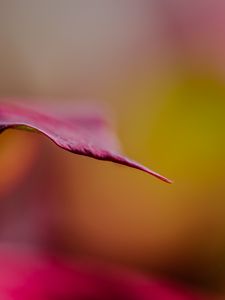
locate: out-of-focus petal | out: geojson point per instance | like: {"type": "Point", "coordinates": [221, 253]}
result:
{"type": "Point", "coordinates": [84, 135]}
{"type": "Point", "coordinates": [25, 275]}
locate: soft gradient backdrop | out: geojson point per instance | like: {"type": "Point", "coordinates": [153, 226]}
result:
{"type": "Point", "coordinates": [159, 65]}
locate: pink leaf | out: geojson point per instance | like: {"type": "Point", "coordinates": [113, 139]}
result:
{"type": "Point", "coordinates": [82, 134]}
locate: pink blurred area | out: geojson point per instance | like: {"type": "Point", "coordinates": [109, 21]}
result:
{"type": "Point", "coordinates": [26, 275]}
{"type": "Point", "coordinates": [160, 66]}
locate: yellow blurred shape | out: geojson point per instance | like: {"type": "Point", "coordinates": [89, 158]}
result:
{"type": "Point", "coordinates": [17, 152]}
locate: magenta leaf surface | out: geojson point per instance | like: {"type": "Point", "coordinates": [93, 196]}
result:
{"type": "Point", "coordinates": [81, 133]}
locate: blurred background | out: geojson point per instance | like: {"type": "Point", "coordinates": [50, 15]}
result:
{"type": "Point", "coordinates": [159, 65]}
